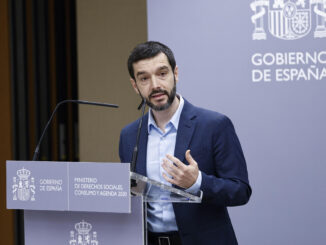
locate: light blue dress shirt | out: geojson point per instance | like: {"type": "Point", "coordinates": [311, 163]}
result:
{"type": "Point", "coordinates": [160, 216]}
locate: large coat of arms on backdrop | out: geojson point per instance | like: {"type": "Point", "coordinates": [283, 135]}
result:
{"type": "Point", "coordinates": [288, 19]}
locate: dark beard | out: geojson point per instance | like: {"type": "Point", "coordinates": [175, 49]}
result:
{"type": "Point", "coordinates": [171, 97]}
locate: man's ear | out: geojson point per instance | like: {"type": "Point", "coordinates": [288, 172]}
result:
{"type": "Point", "coordinates": [134, 85]}
{"type": "Point", "coordinates": [176, 73]}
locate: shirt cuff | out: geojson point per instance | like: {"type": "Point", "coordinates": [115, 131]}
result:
{"type": "Point", "coordinates": [196, 186]}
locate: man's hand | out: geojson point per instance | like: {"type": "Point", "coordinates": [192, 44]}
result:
{"type": "Point", "coordinates": [182, 175]}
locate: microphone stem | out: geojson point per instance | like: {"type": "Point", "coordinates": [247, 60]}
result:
{"type": "Point", "coordinates": [135, 152]}
{"type": "Point", "coordinates": [37, 149]}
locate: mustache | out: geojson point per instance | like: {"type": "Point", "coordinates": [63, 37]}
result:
{"type": "Point", "coordinates": [158, 91]}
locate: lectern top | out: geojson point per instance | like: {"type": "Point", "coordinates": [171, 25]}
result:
{"type": "Point", "coordinates": [155, 191]}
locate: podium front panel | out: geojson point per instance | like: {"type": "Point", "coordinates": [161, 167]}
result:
{"type": "Point", "coordinates": [75, 228]}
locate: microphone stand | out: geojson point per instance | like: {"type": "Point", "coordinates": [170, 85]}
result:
{"type": "Point", "coordinates": [37, 149]}
{"type": "Point", "coordinates": [135, 152]}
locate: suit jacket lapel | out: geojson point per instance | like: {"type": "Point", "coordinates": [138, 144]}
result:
{"type": "Point", "coordinates": [185, 131]}
{"type": "Point", "coordinates": [142, 150]}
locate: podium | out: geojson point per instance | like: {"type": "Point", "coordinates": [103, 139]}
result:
{"type": "Point", "coordinates": [85, 203]}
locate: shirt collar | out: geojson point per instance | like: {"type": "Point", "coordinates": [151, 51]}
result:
{"type": "Point", "coordinates": [174, 119]}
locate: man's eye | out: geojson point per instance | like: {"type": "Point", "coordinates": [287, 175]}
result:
{"type": "Point", "coordinates": [143, 79]}
{"type": "Point", "coordinates": [163, 74]}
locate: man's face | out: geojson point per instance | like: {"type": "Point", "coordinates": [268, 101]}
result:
{"type": "Point", "coordinates": [155, 81]}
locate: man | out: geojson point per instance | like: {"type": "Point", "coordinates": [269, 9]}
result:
{"type": "Point", "coordinates": [186, 146]}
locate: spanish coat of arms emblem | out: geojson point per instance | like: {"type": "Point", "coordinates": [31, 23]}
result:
{"type": "Point", "coordinates": [23, 187]}
{"type": "Point", "coordinates": [82, 235]}
{"type": "Point", "coordinates": [288, 19]}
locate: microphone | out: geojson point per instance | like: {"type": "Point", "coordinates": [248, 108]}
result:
{"type": "Point", "coordinates": [37, 149]}
{"type": "Point", "coordinates": [135, 152]}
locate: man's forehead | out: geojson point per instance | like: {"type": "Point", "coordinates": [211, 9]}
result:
{"type": "Point", "coordinates": [157, 61]}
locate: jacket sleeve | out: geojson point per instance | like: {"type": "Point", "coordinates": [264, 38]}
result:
{"type": "Point", "coordinates": [229, 186]}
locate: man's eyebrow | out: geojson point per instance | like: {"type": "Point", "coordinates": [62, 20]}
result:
{"type": "Point", "coordinates": [163, 68]}
{"type": "Point", "coordinates": [140, 73]}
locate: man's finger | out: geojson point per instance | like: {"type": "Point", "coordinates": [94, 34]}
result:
{"type": "Point", "coordinates": [170, 168]}
{"type": "Point", "coordinates": [189, 158]}
{"type": "Point", "coordinates": [176, 161]}
{"type": "Point", "coordinates": [168, 179]}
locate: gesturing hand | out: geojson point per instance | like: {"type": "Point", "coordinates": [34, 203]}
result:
{"type": "Point", "coordinates": [182, 175]}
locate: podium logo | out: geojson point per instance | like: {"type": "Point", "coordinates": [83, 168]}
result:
{"type": "Point", "coordinates": [288, 19]}
{"type": "Point", "coordinates": [23, 187]}
{"type": "Point", "coordinates": [82, 235]}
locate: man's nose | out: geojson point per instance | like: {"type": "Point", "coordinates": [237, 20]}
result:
{"type": "Point", "coordinates": [155, 83]}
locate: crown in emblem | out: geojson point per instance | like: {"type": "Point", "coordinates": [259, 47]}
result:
{"type": "Point", "coordinates": [23, 173]}
{"type": "Point", "coordinates": [83, 227]}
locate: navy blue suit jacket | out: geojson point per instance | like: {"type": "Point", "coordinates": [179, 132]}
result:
{"type": "Point", "coordinates": [215, 146]}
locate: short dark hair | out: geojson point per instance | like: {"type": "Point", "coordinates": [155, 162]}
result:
{"type": "Point", "coordinates": [148, 50]}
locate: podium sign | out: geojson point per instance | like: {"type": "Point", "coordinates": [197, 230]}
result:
{"type": "Point", "coordinates": [68, 186]}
